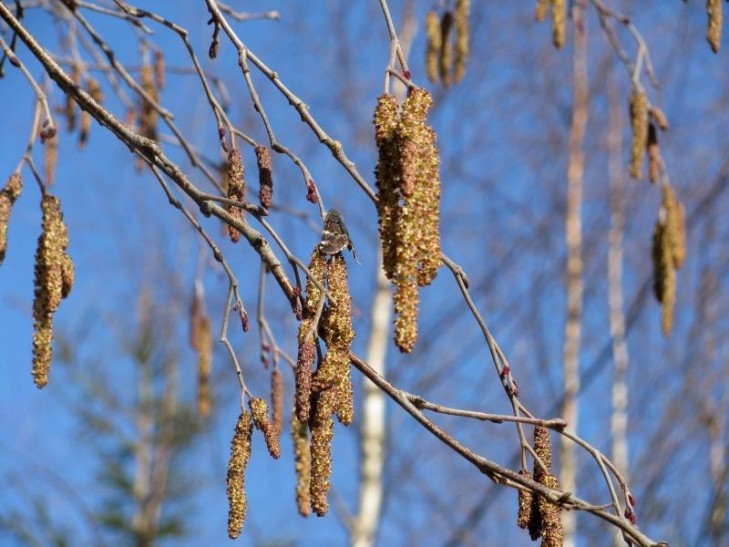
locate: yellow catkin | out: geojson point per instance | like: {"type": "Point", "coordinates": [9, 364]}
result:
{"type": "Point", "coordinates": [675, 226]}
{"type": "Point", "coordinates": [265, 176]}
{"type": "Point", "coordinates": [322, 433]}
{"type": "Point", "coordinates": [10, 192]}
{"type": "Point", "coordinates": [713, 24]}
{"type": "Point", "coordinates": [148, 114]}
{"type": "Point", "coordinates": [302, 458]}
{"type": "Point", "coordinates": [659, 118]}
{"type": "Point", "coordinates": [540, 10]}
{"type": "Point", "coordinates": [664, 274]}
{"type": "Point", "coordinates": [277, 399]}
{"type": "Point", "coordinates": [386, 121]}
{"type": "Point", "coordinates": [525, 497]}
{"type": "Point", "coordinates": [461, 14]}
{"type": "Point", "coordinates": [50, 261]}
{"type": "Point", "coordinates": [550, 515]}
{"type": "Point", "coordinates": [194, 317]}
{"type": "Point", "coordinates": [433, 46]}
{"type": "Point", "coordinates": [240, 453]}
{"type": "Point", "coordinates": [338, 333]}
{"type": "Point", "coordinates": [204, 366]}
{"type": "Point", "coordinates": [235, 176]}
{"type": "Point", "coordinates": [406, 300]}
{"type": "Point", "coordinates": [259, 411]}
{"type": "Point", "coordinates": [654, 155]}
{"type": "Point", "coordinates": [638, 104]}
{"type": "Point", "coordinates": [445, 58]}
{"type": "Point", "coordinates": [559, 22]}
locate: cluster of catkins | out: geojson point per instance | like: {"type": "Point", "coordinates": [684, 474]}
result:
{"type": "Point", "coordinates": [235, 184]}
{"type": "Point", "coordinates": [445, 56]}
{"type": "Point", "coordinates": [669, 253]}
{"type": "Point", "coordinates": [408, 207]}
{"type": "Point", "coordinates": [240, 448]}
{"type": "Point", "coordinates": [537, 514]}
{"type": "Point", "coordinates": [327, 391]}
{"type": "Point", "coordinates": [558, 10]}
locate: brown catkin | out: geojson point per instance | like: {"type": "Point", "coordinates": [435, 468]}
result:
{"type": "Point", "coordinates": [277, 399]}
{"type": "Point", "coordinates": [302, 458]}
{"type": "Point", "coordinates": [10, 192]}
{"type": "Point", "coordinates": [265, 176]}
{"type": "Point", "coordinates": [550, 515]}
{"type": "Point", "coordinates": [543, 449]}
{"type": "Point", "coordinates": [302, 397]}
{"type": "Point", "coordinates": [204, 366]}
{"type": "Point", "coordinates": [559, 22]}
{"type": "Point", "coordinates": [654, 154]}
{"type": "Point", "coordinates": [433, 46]}
{"type": "Point", "coordinates": [713, 24]}
{"type": "Point", "coordinates": [461, 15]}
{"type": "Point", "coordinates": [322, 433]}
{"type": "Point", "coordinates": [240, 453]}
{"type": "Point", "coordinates": [259, 411]}
{"type": "Point", "coordinates": [50, 261]}
{"type": "Point", "coordinates": [195, 317]}
{"type": "Point", "coordinates": [540, 10]}
{"type": "Point", "coordinates": [406, 301]}
{"type": "Point", "coordinates": [445, 58]}
{"type": "Point", "coordinates": [638, 104]}
{"type": "Point", "coordinates": [236, 190]}
{"type": "Point", "coordinates": [148, 114]}
{"type": "Point", "coordinates": [525, 503]}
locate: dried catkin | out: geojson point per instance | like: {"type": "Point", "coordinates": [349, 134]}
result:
{"type": "Point", "coordinates": [148, 114]}
{"type": "Point", "coordinates": [461, 14]}
{"type": "Point", "coordinates": [433, 46]}
{"type": "Point", "coordinates": [50, 159]}
{"type": "Point", "coordinates": [259, 411]}
{"type": "Point", "coordinates": [638, 104]}
{"type": "Point", "coordinates": [159, 69]}
{"type": "Point", "coordinates": [543, 449]}
{"type": "Point", "coordinates": [204, 344]}
{"type": "Point", "coordinates": [94, 90]}
{"type": "Point", "coordinates": [236, 189]}
{"type": "Point", "coordinates": [51, 260]}
{"type": "Point", "coordinates": [713, 24]}
{"type": "Point", "coordinates": [302, 458]}
{"type": "Point", "coordinates": [277, 399]}
{"type": "Point", "coordinates": [265, 176]}
{"type": "Point", "coordinates": [559, 22]}
{"type": "Point", "coordinates": [525, 503]}
{"type": "Point", "coordinates": [240, 453]}
{"type": "Point", "coordinates": [322, 433]}
{"type": "Point", "coordinates": [654, 154]}
{"type": "Point", "coordinates": [664, 274]}
{"type": "Point", "coordinates": [445, 58]}
{"type": "Point", "coordinates": [10, 192]}
{"type": "Point", "coordinates": [69, 108]}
